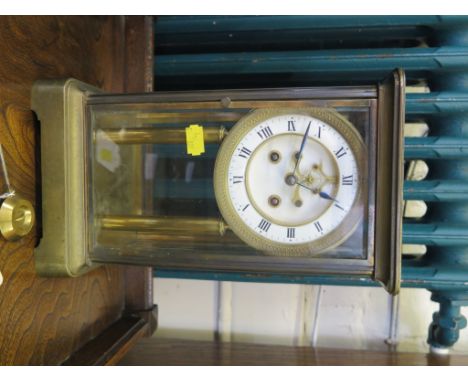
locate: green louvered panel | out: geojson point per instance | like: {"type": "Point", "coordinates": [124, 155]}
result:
{"type": "Point", "coordinates": [206, 52]}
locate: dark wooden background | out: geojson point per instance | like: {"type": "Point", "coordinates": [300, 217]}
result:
{"type": "Point", "coordinates": [45, 320]}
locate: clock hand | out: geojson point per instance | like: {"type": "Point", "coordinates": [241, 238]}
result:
{"type": "Point", "coordinates": [303, 185]}
{"type": "Point", "coordinates": [322, 194]}
{"type": "Point", "coordinates": [299, 154]}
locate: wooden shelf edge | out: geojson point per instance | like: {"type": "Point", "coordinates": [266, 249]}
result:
{"type": "Point", "coordinates": [177, 352]}
{"type": "Point", "coordinates": [112, 344]}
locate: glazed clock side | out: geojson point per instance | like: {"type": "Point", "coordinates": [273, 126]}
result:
{"type": "Point", "coordinates": [172, 222]}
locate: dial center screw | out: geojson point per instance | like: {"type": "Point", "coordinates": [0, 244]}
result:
{"type": "Point", "coordinates": [290, 180]}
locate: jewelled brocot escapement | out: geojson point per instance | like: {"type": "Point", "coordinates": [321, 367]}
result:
{"type": "Point", "coordinates": [303, 204]}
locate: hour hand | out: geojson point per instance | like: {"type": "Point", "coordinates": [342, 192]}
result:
{"type": "Point", "coordinates": [324, 195]}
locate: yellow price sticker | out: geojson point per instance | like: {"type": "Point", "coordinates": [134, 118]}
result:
{"type": "Point", "coordinates": [195, 140]}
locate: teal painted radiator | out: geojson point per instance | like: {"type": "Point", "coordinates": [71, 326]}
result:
{"type": "Point", "coordinates": [207, 52]}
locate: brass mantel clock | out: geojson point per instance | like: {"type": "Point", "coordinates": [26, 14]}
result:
{"type": "Point", "coordinates": [293, 181]}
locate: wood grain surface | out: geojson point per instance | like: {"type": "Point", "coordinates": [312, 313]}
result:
{"type": "Point", "coordinates": [173, 352]}
{"type": "Point", "coordinates": [42, 321]}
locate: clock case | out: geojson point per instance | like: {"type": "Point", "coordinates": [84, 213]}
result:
{"type": "Point", "coordinates": [100, 197]}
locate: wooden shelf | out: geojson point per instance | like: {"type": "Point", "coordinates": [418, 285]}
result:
{"type": "Point", "coordinates": [173, 352]}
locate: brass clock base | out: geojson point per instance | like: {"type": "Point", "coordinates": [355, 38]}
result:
{"type": "Point", "coordinates": [59, 105]}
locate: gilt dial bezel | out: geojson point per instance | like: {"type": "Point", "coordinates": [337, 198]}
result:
{"type": "Point", "coordinates": [221, 182]}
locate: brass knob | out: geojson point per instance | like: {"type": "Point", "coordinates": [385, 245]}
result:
{"type": "Point", "coordinates": [16, 218]}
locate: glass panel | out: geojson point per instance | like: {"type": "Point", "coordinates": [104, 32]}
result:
{"type": "Point", "coordinates": [152, 203]}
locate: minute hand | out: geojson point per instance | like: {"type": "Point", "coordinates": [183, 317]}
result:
{"type": "Point", "coordinates": [304, 139]}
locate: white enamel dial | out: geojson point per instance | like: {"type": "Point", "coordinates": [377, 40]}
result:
{"type": "Point", "coordinates": [292, 180]}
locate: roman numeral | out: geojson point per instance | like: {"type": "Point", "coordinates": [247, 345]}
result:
{"type": "Point", "coordinates": [264, 225]}
{"type": "Point", "coordinates": [340, 152]}
{"type": "Point", "coordinates": [318, 227]}
{"type": "Point", "coordinates": [244, 152]}
{"type": "Point", "coordinates": [339, 207]}
{"type": "Point", "coordinates": [243, 209]}
{"type": "Point", "coordinates": [347, 180]}
{"type": "Point", "coordinates": [291, 126]}
{"type": "Point", "coordinates": [265, 132]}
{"type": "Point", "coordinates": [319, 131]}
{"type": "Point", "coordinates": [291, 233]}
{"type": "Point", "coordinates": [237, 179]}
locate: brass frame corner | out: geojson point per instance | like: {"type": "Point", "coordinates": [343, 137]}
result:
{"type": "Point", "coordinates": [59, 105]}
